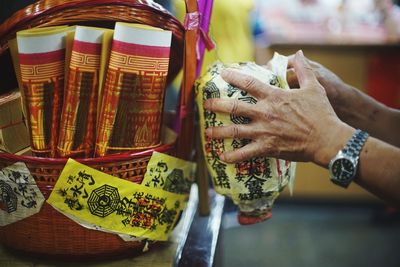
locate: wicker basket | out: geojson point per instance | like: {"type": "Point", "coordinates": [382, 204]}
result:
{"type": "Point", "coordinates": [49, 232]}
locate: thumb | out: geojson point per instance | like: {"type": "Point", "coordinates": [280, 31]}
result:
{"type": "Point", "coordinates": [304, 71]}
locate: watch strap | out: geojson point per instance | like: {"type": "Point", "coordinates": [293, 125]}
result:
{"type": "Point", "coordinates": [351, 151]}
{"type": "Point", "coordinates": [355, 144]}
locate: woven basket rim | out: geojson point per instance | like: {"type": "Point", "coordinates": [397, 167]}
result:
{"type": "Point", "coordinates": [105, 159]}
{"type": "Point", "coordinates": [47, 7]}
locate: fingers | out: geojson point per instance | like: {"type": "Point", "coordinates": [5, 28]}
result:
{"type": "Point", "coordinates": [304, 71]}
{"type": "Point", "coordinates": [247, 83]}
{"type": "Point", "coordinates": [232, 106]}
{"type": "Point", "coordinates": [249, 151]}
{"type": "Point", "coordinates": [313, 64]}
{"type": "Point", "coordinates": [232, 131]}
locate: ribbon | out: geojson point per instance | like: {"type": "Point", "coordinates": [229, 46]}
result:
{"type": "Point", "coordinates": [201, 21]}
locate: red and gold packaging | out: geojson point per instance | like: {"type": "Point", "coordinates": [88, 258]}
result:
{"type": "Point", "coordinates": [41, 57]}
{"type": "Point", "coordinates": [78, 117]}
{"type": "Point", "coordinates": [132, 102]}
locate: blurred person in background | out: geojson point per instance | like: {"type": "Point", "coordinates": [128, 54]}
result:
{"type": "Point", "coordinates": [389, 11]}
{"type": "Point", "coordinates": [230, 28]}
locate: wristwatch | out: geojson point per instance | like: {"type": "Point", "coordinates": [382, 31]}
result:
{"type": "Point", "coordinates": [343, 167]}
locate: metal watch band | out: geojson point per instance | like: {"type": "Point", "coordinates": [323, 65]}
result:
{"type": "Point", "coordinates": [355, 144]}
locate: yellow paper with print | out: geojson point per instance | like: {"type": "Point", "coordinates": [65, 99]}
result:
{"type": "Point", "coordinates": [114, 204]}
{"type": "Point", "coordinates": [169, 173]}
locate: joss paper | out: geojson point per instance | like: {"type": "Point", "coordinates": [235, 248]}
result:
{"type": "Point", "coordinates": [169, 173]}
{"type": "Point", "coordinates": [94, 198]}
{"type": "Point", "coordinates": [41, 53]}
{"type": "Point", "coordinates": [133, 93]}
{"type": "Point", "coordinates": [78, 117]}
{"type": "Point", "coordinates": [20, 196]}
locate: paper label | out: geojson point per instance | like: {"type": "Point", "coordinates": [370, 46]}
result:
{"type": "Point", "coordinates": [114, 204]}
{"type": "Point", "coordinates": [169, 173]}
{"type": "Point", "coordinates": [19, 195]}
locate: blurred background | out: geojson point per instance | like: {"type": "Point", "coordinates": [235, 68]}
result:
{"type": "Point", "coordinates": [322, 224]}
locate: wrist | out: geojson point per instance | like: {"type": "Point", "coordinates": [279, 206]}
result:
{"type": "Point", "coordinates": [334, 138]}
{"type": "Point", "coordinates": [345, 103]}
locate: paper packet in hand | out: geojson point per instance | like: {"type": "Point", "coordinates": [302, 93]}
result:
{"type": "Point", "coordinates": [253, 184]}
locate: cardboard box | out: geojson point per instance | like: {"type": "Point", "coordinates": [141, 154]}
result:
{"type": "Point", "coordinates": [14, 134]}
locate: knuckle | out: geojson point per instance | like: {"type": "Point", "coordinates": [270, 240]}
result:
{"type": "Point", "coordinates": [269, 146]}
{"type": "Point", "coordinates": [235, 131]}
{"type": "Point", "coordinates": [234, 107]}
{"type": "Point", "coordinates": [248, 83]}
{"type": "Point", "coordinates": [262, 113]}
{"type": "Point", "coordinates": [275, 98]}
{"type": "Point", "coordinates": [243, 155]}
{"type": "Point", "coordinates": [227, 75]}
{"type": "Point", "coordinates": [267, 116]}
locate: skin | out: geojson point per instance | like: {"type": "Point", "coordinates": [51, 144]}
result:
{"type": "Point", "coordinates": [353, 106]}
{"type": "Point", "coordinates": [302, 125]}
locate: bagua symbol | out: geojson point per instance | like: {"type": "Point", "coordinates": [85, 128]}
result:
{"type": "Point", "coordinates": [103, 200]}
{"type": "Point", "coordinates": [8, 199]}
{"type": "Point", "coordinates": [176, 182]}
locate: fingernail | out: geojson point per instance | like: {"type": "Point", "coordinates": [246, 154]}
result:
{"type": "Point", "coordinates": [300, 53]}
{"type": "Point", "coordinates": [206, 104]}
{"type": "Point", "coordinates": [222, 157]}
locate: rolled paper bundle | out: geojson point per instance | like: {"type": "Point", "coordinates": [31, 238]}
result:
{"type": "Point", "coordinates": [253, 184]}
{"type": "Point", "coordinates": [133, 95]}
{"type": "Point", "coordinates": [41, 53]}
{"type": "Point", "coordinates": [78, 117]}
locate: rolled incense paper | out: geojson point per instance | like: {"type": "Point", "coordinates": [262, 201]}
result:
{"type": "Point", "coordinates": [78, 117]}
{"type": "Point", "coordinates": [133, 95]}
{"type": "Point", "coordinates": [41, 57]}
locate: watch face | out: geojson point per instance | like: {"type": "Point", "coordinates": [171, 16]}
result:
{"type": "Point", "coordinates": [343, 169]}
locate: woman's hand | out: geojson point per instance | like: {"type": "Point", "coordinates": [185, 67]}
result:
{"type": "Point", "coordinates": [297, 125]}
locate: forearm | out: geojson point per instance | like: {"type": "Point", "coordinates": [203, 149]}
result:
{"type": "Point", "coordinates": [379, 170]}
{"type": "Point", "coordinates": [362, 111]}
{"type": "Point", "coordinates": [379, 163]}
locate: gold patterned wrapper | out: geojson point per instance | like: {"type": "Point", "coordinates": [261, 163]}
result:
{"type": "Point", "coordinates": [41, 53]}
{"type": "Point", "coordinates": [133, 95]}
{"type": "Point", "coordinates": [78, 117]}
